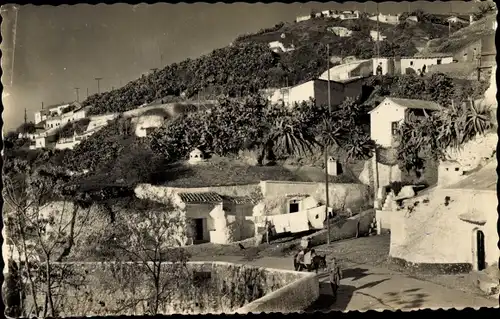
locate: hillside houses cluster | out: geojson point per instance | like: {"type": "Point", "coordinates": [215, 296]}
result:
{"type": "Point", "coordinates": [49, 121]}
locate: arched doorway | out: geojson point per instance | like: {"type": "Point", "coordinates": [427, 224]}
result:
{"type": "Point", "coordinates": [480, 253]}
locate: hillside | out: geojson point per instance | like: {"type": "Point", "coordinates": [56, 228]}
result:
{"type": "Point", "coordinates": [462, 37]}
{"type": "Point", "coordinates": [227, 70]}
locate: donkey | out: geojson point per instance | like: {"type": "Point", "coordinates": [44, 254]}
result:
{"type": "Point", "coordinates": [317, 262]}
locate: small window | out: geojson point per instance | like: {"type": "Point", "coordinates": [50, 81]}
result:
{"type": "Point", "coordinates": [411, 62]}
{"type": "Point", "coordinates": [394, 128]}
{"type": "Point", "coordinates": [294, 206]}
{"type": "Point", "coordinates": [457, 169]}
{"type": "Point", "coordinates": [439, 61]}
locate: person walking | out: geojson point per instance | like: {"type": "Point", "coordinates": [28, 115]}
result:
{"type": "Point", "coordinates": [335, 274]}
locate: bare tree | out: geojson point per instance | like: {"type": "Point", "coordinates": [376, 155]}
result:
{"type": "Point", "coordinates": [150, 237]}
{"type": "Point", "coordinates": [42, 234]}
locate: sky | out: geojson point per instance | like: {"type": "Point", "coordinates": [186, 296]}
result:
{"type": "Point", "coordinates": [60, 48]}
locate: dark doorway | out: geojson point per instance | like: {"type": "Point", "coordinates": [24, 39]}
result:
{"type": "Point", "coordinates": [198, 226]}
{"type": "Point", "coordinates": [481, 263]}
{"type": "Point", "coordinates": [294, 207]}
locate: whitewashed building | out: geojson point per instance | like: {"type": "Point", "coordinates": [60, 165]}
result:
{"type": "Point", "coordinates": [303, 18]}
{"type": "Point", "coordinates": [387, 65]}
{"type": "Point", "coordinates": [377, 35]}
{"type": "Point", "coordinates": [415, 64]}
{"type": "Point", "coordinates": [349, 15]}
{"type": "Point", "coordinates": [386, 118]}
{"type": "Point", "coordinates": [279, 47]}
{"type": "Point", "coordinates": [350, 70]}
{"type": "Point", "coordinates": [340, 31]}
{"type": "Point", "coordinates": [386, 18]}
{"type": "Point", "coordinates": [98, 121]}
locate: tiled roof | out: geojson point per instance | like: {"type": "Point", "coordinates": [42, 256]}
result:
{"type": "Point", "coordinates": [416, 104]}
{"type": "Point", "coordinates": [199, 198]}
{"type": "Point", "coordinates": [241, 200]}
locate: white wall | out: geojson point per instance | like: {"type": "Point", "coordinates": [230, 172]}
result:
{"type": "Point", "coordinates": [377, 36]}
{"type": "Point", "coordinates": [385, 65]}
{"type": "Point", "coordinates": [381, 119]}
{"type": "Point", "coordinates": [302, 92]}
{"type": "Point", "coordinates": [53, 123]}
{"type": "Point", "coordinates": [383, 219]}
{"type": "Point", "coordinates": [434, 233]}
{"type": "Point", "coordinates": [100, 120]}
{"type": "Point", "coordinates": [390, 19]}
{"type": "Point", "coordinates": [303, 18]}
{"type": "Point", "coordinates": [39, 117]}
{"type": "Point", "coordinates": [147, 121]}
{"type": "Point", "coordinates": [70, 144]}
{"type": "Point", "coordinates": [418, 63]}
{"type": "Point", "coordinates": [353, 196]}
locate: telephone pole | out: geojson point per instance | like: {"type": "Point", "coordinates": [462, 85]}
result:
{"type": "Point", "coordinates": [327, 196]}
{"type": "Point", "coordinates": [98, 85]}
{"type": "Point", "coordinates": [25, 116]}
{"type": "Point", "coordinates": [42, 105]}
{"type": "Point", "coordinates": [378, 35]}
{"type": "Point", "coordinates": [77, 94]}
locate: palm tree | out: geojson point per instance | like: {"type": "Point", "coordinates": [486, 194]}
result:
{"type": "Point", "coordinates": [478, 120]}
{"type": "Point", "coordinates": [285, 134]}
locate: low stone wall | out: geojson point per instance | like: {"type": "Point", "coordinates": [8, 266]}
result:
{"type": "Point", "coordinates": [294, 297]}
{"type": "Point", "coordinates": [193, 288]}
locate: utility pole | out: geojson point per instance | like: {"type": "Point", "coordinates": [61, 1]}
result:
{"type": "Point", "coordinates": [98, 85]}
{"type": "Point", "coordinates": [87, 93]}
{"type": "Point", "coordinates": [327, 197]}
{"type": "Point", "coordinates": [378, 36]}
{"type": "Point", "coordinates": [77, 95]}
{"type": "Point", "coordinates": [42, 105]}
{"type": "Point", "coordinates": [25, 116]}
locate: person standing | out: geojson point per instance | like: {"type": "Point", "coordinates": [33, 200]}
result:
{"type": "Point", "coordinates": [335, 274]}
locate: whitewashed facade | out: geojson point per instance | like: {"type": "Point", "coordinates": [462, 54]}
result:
{"type": "Point", "coordinates": [386, 118]}
{"type": "Point", "coordinates": [417, 63]}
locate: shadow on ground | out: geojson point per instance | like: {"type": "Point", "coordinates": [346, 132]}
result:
{"type": "Point", "coordinates": [325, 301]}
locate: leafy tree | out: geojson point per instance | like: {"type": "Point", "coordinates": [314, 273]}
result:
{"type": "Point", "coordinates": [440, 88]}
{"type": "Point", "coordinates": [344, 128]}
{"type": "Point", "coordinates": [429, 137]}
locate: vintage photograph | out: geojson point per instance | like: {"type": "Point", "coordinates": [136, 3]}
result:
{"type": "Point", "coordinates": [246, 158]}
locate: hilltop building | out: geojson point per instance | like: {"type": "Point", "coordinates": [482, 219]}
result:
{"type": "Point", "coordinates": [386, 18]}
{"type": "Point", "coordinates": [340, 31]}
{"type": "Point", "coordinates": [377, 35]}
{"type": "Point", "coordinates": [409, 65]}
{"type": "Point", "coordinates": [349, 71]}
{"type": "Point", "coordinates": [318, 90]}
{"type": "Point", "coordinates": [279, 47]}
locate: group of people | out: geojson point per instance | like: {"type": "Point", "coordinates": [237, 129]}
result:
{"type": "Point", "coordinates": [306, 258]}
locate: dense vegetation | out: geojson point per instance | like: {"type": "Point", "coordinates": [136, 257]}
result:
{"type": "Point", "coordinates": [428, 138]}
{"type": "Point", "coordinates": [248, 65]}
